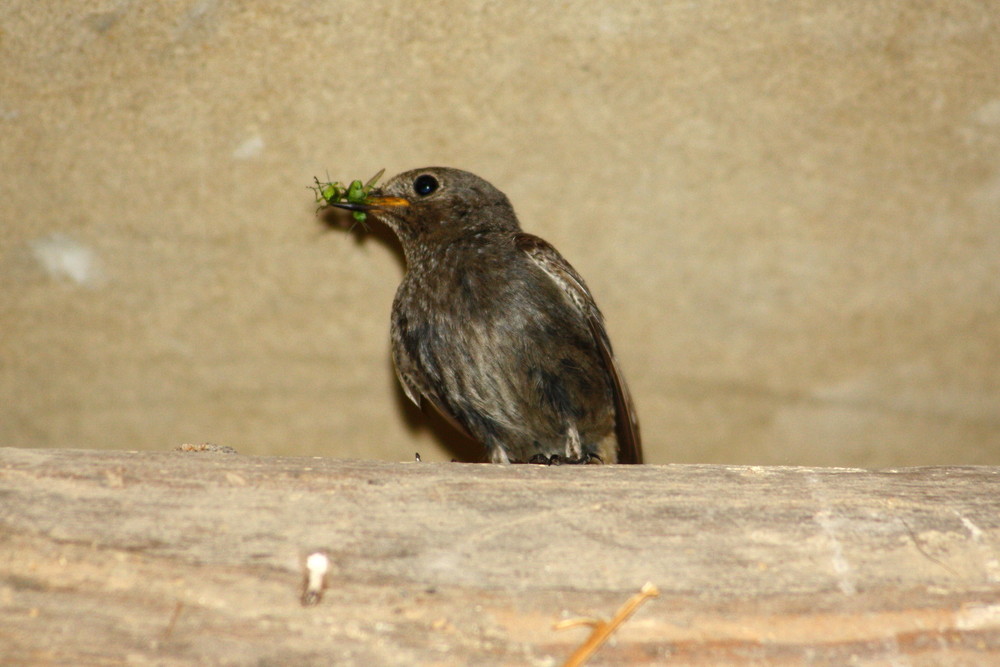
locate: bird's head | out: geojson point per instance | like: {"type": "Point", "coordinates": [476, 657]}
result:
{"type": "Point", "coordinates": [423, 203]}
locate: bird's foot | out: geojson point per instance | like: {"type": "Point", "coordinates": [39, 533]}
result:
{"type": "Point", "coordinates": [542, 459]}
{"type": "Point", "coordinates": [557, 460]}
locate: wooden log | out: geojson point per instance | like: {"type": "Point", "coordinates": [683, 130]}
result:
{"type": "Point", "coordinates": [197, 558]}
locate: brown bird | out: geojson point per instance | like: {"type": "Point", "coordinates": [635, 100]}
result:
{"type": "Point", "coordinates": [496, 330]}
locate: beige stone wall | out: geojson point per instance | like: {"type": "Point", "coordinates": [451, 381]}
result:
{"type": "Point", "coordinates": [788, 212]}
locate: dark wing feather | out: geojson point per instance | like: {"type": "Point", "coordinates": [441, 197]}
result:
{"type": "Point", "coordinates": [419, 390]}
{"type": "Point", "coordinates": [571, 283]}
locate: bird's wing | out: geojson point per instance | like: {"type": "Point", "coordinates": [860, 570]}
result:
{"type": "Point", "coordinates": [419, 390]}
{"type": "Point", "coordinates": [570, 283]}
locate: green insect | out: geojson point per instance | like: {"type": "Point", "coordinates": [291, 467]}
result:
{"type": "Point", "coordinates": [327, 192]}
{"type": "Point", "coordinates": [355, 193]}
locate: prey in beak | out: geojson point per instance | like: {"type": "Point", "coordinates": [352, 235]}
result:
{"type": "Point", "coordinates": [358, 198]}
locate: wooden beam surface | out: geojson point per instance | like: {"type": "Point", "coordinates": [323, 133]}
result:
{"type": "Point", "coordinates": [197, 558]}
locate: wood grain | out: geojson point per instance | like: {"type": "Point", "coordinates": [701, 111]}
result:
{"type": "Point", "coordinates": [181, 558]}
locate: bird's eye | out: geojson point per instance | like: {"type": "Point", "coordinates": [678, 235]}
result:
{"type": "Point", "coordinates": [425, 184]}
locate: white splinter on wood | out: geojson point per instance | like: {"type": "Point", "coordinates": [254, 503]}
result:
{"type": "Point", "coordinates": [317, 565]}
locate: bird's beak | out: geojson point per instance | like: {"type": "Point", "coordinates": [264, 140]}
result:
{"type": "Point", "coordinates": [372, 204]}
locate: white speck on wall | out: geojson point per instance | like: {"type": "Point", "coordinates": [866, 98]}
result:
{"type": "Point", "coordinates": [66, 258]}
{"type": "Point", "coordinates": [989, 113]}
{"type": "Point", "coordinates": [252, 147]}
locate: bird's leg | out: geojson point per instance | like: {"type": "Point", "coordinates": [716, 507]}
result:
{"type": "Point", "coordinates": [574, 450]}
{"type": "Point", "coordinates": [499, 455]}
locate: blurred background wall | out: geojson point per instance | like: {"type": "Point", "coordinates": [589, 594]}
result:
{"type": "Point", "coordinates": [789, 213]}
